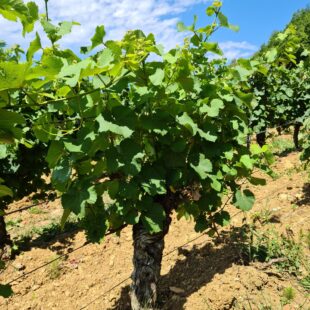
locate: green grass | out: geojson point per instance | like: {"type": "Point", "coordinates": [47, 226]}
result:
{"type": "Point", "coordinates": [36, 210]}
{"type": "Point", "coordinates": [265, 246]}
{"type": "Point", "coordinates": [288, 295]}
{"type": "Point", "coordinates": [54, 270]}
{"type": "Point", "coordinates": [13, 223]}
{"type": "Point", "coordinates": [282, 145]}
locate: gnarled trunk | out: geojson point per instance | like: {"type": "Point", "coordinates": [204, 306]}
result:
{"type": "Point", "coordinates": [248, 141]}
{"type": "Point", "coordinates": [261, 138]}
{"type": "Point", "coordinates": [295, 135]}
{"type": "Point", "coordinates": [147, 258]}
{"type": "Point", "coordinates": [5, 241]}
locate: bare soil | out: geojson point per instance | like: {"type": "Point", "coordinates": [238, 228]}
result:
{"type": "Point", "coordinates": [198, 272]}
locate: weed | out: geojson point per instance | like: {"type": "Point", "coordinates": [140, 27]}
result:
{"type": "Point", "coordinates": [307, 239]}
{"type": "Point", "coordinates": [55, 268]}
{"type": "Point", "coordinates": [263, 216]}
{"type": "Point", "coordinates": [282, 146]}
{"type": "Point", "coordinates": [305, 282]}
{"type": "Point", "coordinates": [36, 210]}
{"type": "Point", "coordinates": [265, 246]}
{"type": "Point", "coordinates": [294, 170]}
{"type": "Point", "coordinates": [288, 295]}
{"type": "Point", "coordinates": [13, 223]}
{"type": "Point", "coordinates": [294, 206]}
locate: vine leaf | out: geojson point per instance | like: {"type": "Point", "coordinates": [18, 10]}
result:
{"type": "Point", "coordinates": [244, 200]}
{"type": "Point", "coordinates": [153, 217]}
{"type": "Point", "coordinates": [203, 167]}
{"type": "Point", "coordinates": [5, 290]}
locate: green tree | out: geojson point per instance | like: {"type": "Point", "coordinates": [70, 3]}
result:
{"type": "Point", "coordinates": [155, 136]}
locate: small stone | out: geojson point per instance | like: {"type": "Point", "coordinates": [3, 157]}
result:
{"type": "Point", "coordinates": [283, 197]}
{"type": "Point", "coordinates": [112, 261]}
{"type": "Point", "coordinates": [19, 266]}
{"type": "Point", "coordinates": [35, 287]}
{"type": "Point", "coordinates": [176, 290]}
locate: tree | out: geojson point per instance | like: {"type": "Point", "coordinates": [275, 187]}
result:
{"type": "Point", "coordinates": [282, 90]}
{"type": "Point", "coordinates": [156, 137]}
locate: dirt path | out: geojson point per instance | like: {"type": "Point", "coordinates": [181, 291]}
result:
{"type": "Point", "coordinates": [200, 275]}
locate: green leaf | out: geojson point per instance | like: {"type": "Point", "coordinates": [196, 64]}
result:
{"type": "Point", "coordinates": [55, 152]}
{"type": "Point", "coordinates": [272, 55]}
{"type": "Point", "coordinates": [153, 217]}
{"type": "Point", "coordinates": [105, 58]}
{"type": "Point", "coordinates": [66, 213]}
{"type": "Point", "coordinates": [65, 28]}
{"type": "Point", "coordinates": [214, 109]}
{"type": "Point", "coordinates": [244, 200]}
{"type": "Point", "coordinates": [181, 27]}
{"type": "Point", "coordinates": [5, 191]}
{"type": "Point", "coordinates": [96, 223]}
{"type": "Point", "coordinates": [55, 33]}
{"type": "Point", "coordinates": [158, 77]}
{"type": "Point", "coordinates": [222, 218]}
{"type": "Point", "coordinates": [212, 47]}
{"type": "Point", "coordinates": [6, 137]}
{"type": "Point", "coordinates": [154, 187]}
{"type": "Point", "coordinates": [105, 126]}
{"type": "Point", "coordinates": [247, 161]}
{"type": "Point", "coordinates": [186, 121]}
{"type": "Point", "coordinates": [96, 40]}
{"type": "Point", "coordinates": [210, 11]}
{"type": "Point", "coordinates": [132, 156]}
{"type": "Point", "coordinates": [61, 174]}
{"type": "Point", "coordinates": [153, 181]}
{"type": "Point", "coordinates": [203, 166]}
{"type": "Point", "coordinates": [35, 45]}
{"type": "Point", "coordinates": [17, 9]}
{"type": "Point", "coordinates": [5, 290]}
{"type": "Point", "coordinates": [8, 129]}
{"type": "Point", "coordinates": [223, 19]}
{"type": "Point", "coordinates": [234, 28]}
{"type": "Point", "coordinates": [77, 197]}
{"type": "Point", "coordinates": [12, 75]}
{"type": "Point", "coordinates": [112, 188]}
{"type": "Point", "coordinates": [48, 68]}
{"type": "Point", "coordinates": [8, 119]}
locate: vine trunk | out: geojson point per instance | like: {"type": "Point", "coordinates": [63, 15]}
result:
{"type": "Point", "coordinates": [147, 259]}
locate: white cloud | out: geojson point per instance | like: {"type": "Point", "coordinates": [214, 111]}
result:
{"type": "Point", "coordinates": [118, 16]}
{"type": "Point", "coordinates": [234, 50]}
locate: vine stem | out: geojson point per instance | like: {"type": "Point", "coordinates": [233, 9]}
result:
{"type": "Point", "coordinates": [46, 9]}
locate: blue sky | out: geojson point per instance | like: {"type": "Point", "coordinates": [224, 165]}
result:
{"type": "Point", "coordinates": [257, 20]}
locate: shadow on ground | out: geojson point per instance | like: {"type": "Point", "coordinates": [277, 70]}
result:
{"type": "Point", "coordinates": [305, 200]}
{"type": "Point", "coordinates": [193, 270]}
{"type": "Point", "coordinates": [51, 237]}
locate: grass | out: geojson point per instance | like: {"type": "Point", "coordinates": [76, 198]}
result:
{"type": "Point", "coordinates": [281, 146]}
{"type": "Point", "coordinates": [288, 295]}
{"type": "Point", "coordinates": [46, 233]}
{"type": "Point", "coordinates": [36, 210]}
{"type": "Point", "coordinates": [263, 217]}
{"type": "Point", "coordinates": [305, 283]}
{"type": "Point", "coordinates": [285, 251]}
{"type": "Point", "coordinates": [54, 270]}
{"type": "Point", "coordinates": [13, 223]}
